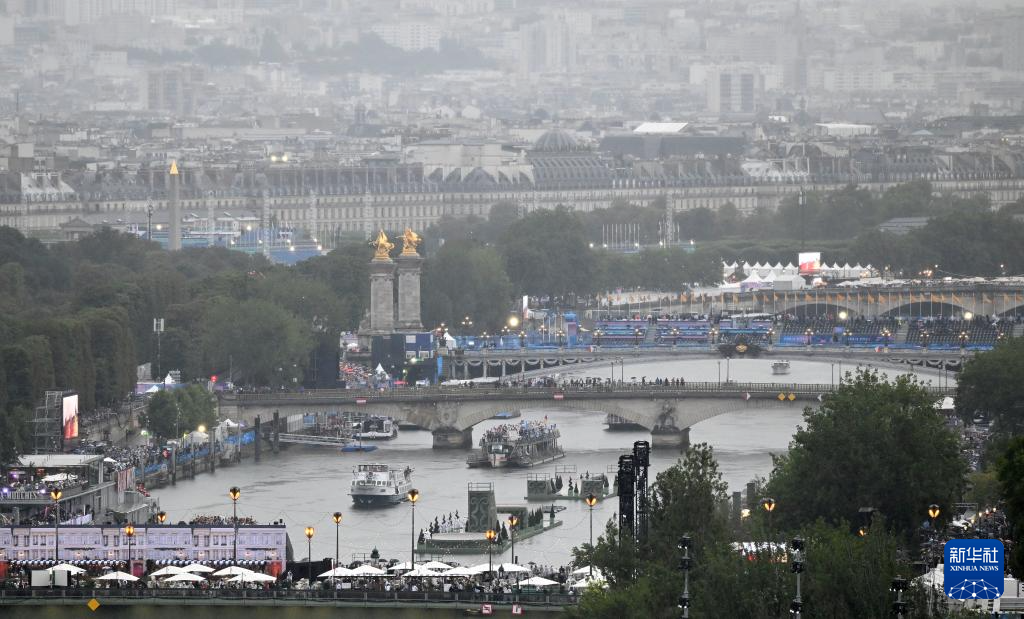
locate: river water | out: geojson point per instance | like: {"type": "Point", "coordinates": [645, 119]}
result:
{"type": "Point", "coordinates": [305, 485]}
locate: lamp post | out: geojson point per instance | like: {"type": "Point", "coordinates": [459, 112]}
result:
{"type": "Point", "coordinates": [675, 336]}
{"type": "Point", "coordinates": [798, 568]}
{"type": "Point", "coordinates": [591, 502]}
{"type": "Point", "coordinates": [129, 532]}
{"type": "Point", "coordinates": [512, 522]}
{"type": "Point", "coordinates": [924, 340]}
{"type": "Point", "coordinates": [161, 517]}
{"type": "Point", "coordinates": [337, 535]}
{"type": "Point", "coordinates": [561, 338]}
{"type": "Point", "coordinates": [933, 514]}
{"type": "Point", "coordinates": [309, 553]}
{"type": "Point", "coordinates": [886, 334]}
{"type": "Point", "coordinates": [808, 334]}
{"type": "Point", "coordinates": [413, 496]}
{"type": "Point", "coordinates": [544, 333]}
{"type": "Point", "coordinates": [522, 339]}
{"type": "Point", "coordinates": [597, 336]}
{"type": "Point", "coordinates": [636, 337]}
{"type": "Point", "coordinates": [770, 334]}
{"type": "Point", "coordinates": [685, 563]}
{"type": "Point", "coordinates": [467, 325]}
{"type": "Point", "coordinates": [898, 586]}
{"type": "Point", "coordinates": [490, 535]}
{"type": "Point", "coordinates": [234, 492]}
{"type": "Point", "coordinates": [56, 494]}
{"type": "Point", "coordinates": [964, 336]}
{"type": "Point", "coordinates": [768, 504]}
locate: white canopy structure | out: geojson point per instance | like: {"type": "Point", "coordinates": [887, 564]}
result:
{"type": "Point", "coordinates": [196, 568]}
{"type": "Point", "coordinates": [186, 577]}
{"type": "Point", "coordinates": [254, 577]}
{"type": "Point", "coordinates": [368, 570]}
{"type": "Point", "coordinates": [460, 571]}
{"type": "Point", "coordinates": [420, 572]}
{"type": "Point", "coordinates": [170, 570]}
{"type": "Point", "coordinates": [338, 572]}
{"type": "Point", "coordinates": [118, 576]}
{"type": "Point", "coordinates": [66, 567]}
{"type": "Point", "coordinates": [233, 570]}
{"type": "Point", "coordinates": [436, 565]}
{"type": "Point", "coordinates": [585, 570]}
{"type": "Point", "coordinates": [590, 582]}
{"type": "Point", "coordinates": [398, 567]}
{"type": "Point", "coordinates": [537, 581]}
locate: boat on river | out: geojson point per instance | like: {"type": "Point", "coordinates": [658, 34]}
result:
{"type": "Point", "coordinates": [375, 429]}
{"type": "Point", "coordinates": [380, 484]}
{"type": "Point", "coordinates": [520, 445]}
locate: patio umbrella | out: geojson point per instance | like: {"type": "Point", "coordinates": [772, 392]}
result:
{"type": "Point", "coordinates": [402, 566]}
{"type": "Point", "coordinates": [120, 576]}
{"type": "Point", "coordinates": [254, 577]}
{"type": "Point", "coordinates": [368, 570]}
{"type": "Point", "coordinates": [420, 572]}
{"type": "Point", "coordinates": [234, 570]}
{"type": "Point", "coordinates": [337, 572]}
{"type": "Point", "coordinates": [66, 567]}
{"type": "Point", "coordinates": [460, 571]}
{"type": "Point", "coordinates": [197, 568]}
{"type": "Point", "coordinates": [436, 565]}
{"type": "Point", "coordinates": [584, 570]}
{"type": "Point", "coordinates": [170, 570]}
{"type": "Point", "coordinates": [537, 581]}
{"type": "Point", "coordinates": [510, 567]}
{"type": "Point", "coordinates": [587, 582]}
{"type": "Point", "coordinates": [185, 577]}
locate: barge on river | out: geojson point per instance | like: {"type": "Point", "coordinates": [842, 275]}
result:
{"type": "Point", "coordinates": [520, 445]}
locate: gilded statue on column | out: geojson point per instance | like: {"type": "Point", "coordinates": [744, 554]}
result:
{"type": "Point", "coordinates": [384, 247]}
{"type": "Point", "coordinates": [410, 241]}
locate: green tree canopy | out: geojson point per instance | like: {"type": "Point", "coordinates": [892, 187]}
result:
{"type": "Point", "coordinates": [990, 385]}
{"type": "Point", "coordinates": [872, 443]}
{"type": "Point", "coordinates": [463, 279]}
{"type": "Point", "coordinates": [171, 414]}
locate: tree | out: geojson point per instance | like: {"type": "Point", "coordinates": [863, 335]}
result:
{"type": "Point", "coordinates": [547, 253]}
{"type": "Point", "coordinates": [1010, 472]}
{"type": "Point", "coordinates": [990, 385]}
{"type": "Point", "coordinates": [872, 443]}
{"type": "Point", "coordinates": [465, 278]}
{"type": "Point", "coordinates": [170, 414]}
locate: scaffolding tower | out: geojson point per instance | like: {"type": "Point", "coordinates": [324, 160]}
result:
{"type": "Point", "coordinates": [47, 426]}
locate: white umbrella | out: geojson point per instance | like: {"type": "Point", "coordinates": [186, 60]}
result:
{"type": "Point", "coordinates": [511, 567]}
{"type": "Point", "coordinates": [368, 570]}
{"type": "Point", "coordinates": [117, 576]}
{"type": "Point", "coordinates": [254, 577]}
{"type": "Point", "coordinates": [185, 577]}
{"type": "Point", "coordinates": [196, 568]}
{"type": "Point", "coordinates": [436, 565]}
{"type": "Point", "coordinates": [336, 573]}
{"type": "Point", "coordinates": [420, 572]}
{"type": "Point", "coordinates": [481, 568]}
{"type": "Point", "coordinates": [66, 567]}
{"type": "Point", "coordinates": [587, 582]}
{"type": "Point", "coordinates": [233, 570]}
{"type": "Point", "coordinates": [537, 581]}
{"type": "Point", "coordinates": [585, 570]}
{"type": "Point", "coordinates": [460, 571]}
{"type": "Point", "coordinates": [170, 570]}
{"type": "Point", "coordinates": [402, 566]}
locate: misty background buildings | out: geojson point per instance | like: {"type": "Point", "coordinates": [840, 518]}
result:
{"type": "Point", "coordinates": [333, 118]}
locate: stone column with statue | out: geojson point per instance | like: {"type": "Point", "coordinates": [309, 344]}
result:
{"type": "Point", "coordinates": [382, 286]}
{"type": "Point", "coordinates": [409, 266]}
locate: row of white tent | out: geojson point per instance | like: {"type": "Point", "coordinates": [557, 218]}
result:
{"type": "Point", "coordinates": [765, 270]}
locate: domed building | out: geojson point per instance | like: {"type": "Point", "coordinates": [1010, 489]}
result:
{"type": "Point", "coordinates": [560, 162]}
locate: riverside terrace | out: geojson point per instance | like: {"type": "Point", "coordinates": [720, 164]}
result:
{"type": "Point", "coordinates": [451, 412]}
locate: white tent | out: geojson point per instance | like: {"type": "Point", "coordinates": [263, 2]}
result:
{"type": "Point", "coordinates": [233, 570]}
{"type": "Point", "coordinates": [537, 581]}
{"type": "Point", "coordinates": [585, 570]}
{"type": "Point", "coordinates": [510, 567]}
{"type": "Point", "coordinates": [436, 565]}
{"type": "Point", "coordinates": [338, 572]}
{"type": "Point", "coordinates": [197, 568]}
{"type": "Point", "coordinates": [588, 582]}
{"type": "Point", "coordinates": [420, 572]}
{"type": "Point", "coordinates": [461, 571]}
{"type": "Point", "coordinates": [119, 576]}
{"type": "Point", "coordinates": [170, 570]}
{"type": "Point", "coordinates": [368, 570]}
{"type": "Point", "coordinates": [66, 567]}
{"type": "Point", "coordinates": [186, 577]}
{"type": "Point", "coordinates": [57, 477]}
{"type": "Point", "coordinates": [254, 577]}
{"type": "Point", "coordinates": [398, 567]}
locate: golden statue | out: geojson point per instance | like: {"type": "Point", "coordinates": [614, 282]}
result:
{"type": "Point", "coordinates": [410, 241]}
{"type": "Point", "coordinates": [384, 247]}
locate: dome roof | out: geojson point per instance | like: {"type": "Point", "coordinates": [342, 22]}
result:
{"type": "Point", "coordinates": [556, 141]}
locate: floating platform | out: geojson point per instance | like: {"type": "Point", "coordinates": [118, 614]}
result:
{"type": "Point", "coordinates": [542, 486]}
{"type": "Point", "coordinates": [464, 543]}
{"type": "Point", "coordinates": [507, 415]}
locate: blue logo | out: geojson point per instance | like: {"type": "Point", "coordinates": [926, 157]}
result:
{"type": "Point", "coordinates": [973, 569]}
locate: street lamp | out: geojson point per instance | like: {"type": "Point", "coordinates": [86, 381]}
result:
{"type": "Point", "coordinates": [544, 332]}
{"type": "Point", "coordinates": [898, 586]}
{"type": "Point", "coordinates": [337, 535]}
{"type": "Point", "coordinates": [467, 325]}
{"type": "Point", "coordinates": [886, 334]}
{"type": "Point", "coordinates": [597, 336]}
{"type": "Point", "coordinates": [924, 339]}
{"type": "Point", "coordinates": [675, 336]}
{"type": "Point", "coordinates": [798, 568]}
{"type": "Point", "coordinates": [522, 339]}
{"type": "Point", "coordinates": [591, 502]}
{"type": "Point", "coordinates": [234, 493]}
{"type": "Point", "coordinates": [963, 340]}
{"type": "Point", "coordinates": [490, 535]}
{"type": "Point", "coordinates": [713, 335]}
{"type": "Point", "coordinates": [561, 338]}
{"type": "Point", "coordinates": [309, 553]}
{"type": "Point", "coordinates": [413, 496]}
{"type": "Point", "coordinates": [512, 522]}
{"type": "Point", "coordinates": [808, 334]}
{"type": "Point", "coordinates": [129, 532]}
{"type": "Point", "coordinates": [770, 334]}
{"type": "Point", "coordinates": [685, 563]}
{"type": "Point", "coordinates": [56, 494]}
{"type": "Point", "coordinates": [161, 517]}
{"type": "Point", "coordinates": [768, 504]}
{"type": "Point", "coordinates": [636, 336]}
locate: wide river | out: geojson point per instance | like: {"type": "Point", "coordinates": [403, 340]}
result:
{"type": "Point", "coordinates": [304, 486]}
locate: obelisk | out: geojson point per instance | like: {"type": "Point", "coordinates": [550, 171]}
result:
{"type": "Point", "coordinates": [174, 232]}
{"type": "Point", "coordinates": [382, 287]}
{"type": "Point", "coordinates": [409, 266]}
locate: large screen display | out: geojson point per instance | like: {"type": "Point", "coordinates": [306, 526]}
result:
{"type": "Point", "coordinates": [810, 262]}
{"type": "Point", "coordinates": [70, 417]}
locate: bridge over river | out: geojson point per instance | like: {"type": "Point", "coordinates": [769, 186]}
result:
{"type": "Point", "coordinates": [451, 412]}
